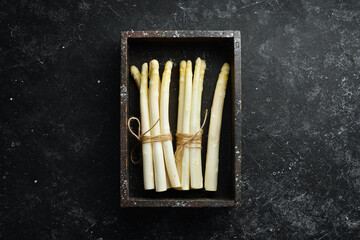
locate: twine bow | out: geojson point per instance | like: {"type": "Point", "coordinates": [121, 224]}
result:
{"type": "Point", "coordinates": [145, 139]}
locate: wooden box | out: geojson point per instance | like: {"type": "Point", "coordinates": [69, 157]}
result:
{"type": "Point", "coordinates": [216, 47]}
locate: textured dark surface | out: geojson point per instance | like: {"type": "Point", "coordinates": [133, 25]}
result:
{"type": "Point", "coordinates": [59, 81]}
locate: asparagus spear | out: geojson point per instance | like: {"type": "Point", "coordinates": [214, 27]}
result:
{"type": "Point", "coordinates": [202, 73]}
{"type": "Point", "coordinates": [136, 75]}
{"type": "Point", "coordinates": [148, 170]}
{"type": "Point", "coordinates": [159, 166]}
{"type": "Point", "coordinates": [198, 114]}
{"type": "Point", "coordinates": [168, 184]}
{"type": "Point", "coordinates": [165, 126]}
{"type": "Point", "coordinates": [180, 118]}
{"type": "Point", "coordinates": [212, 154]}
{"type": "Point", "coordinates": [195, 163]}
{"type": "Point", "coordinates": [185, 173]}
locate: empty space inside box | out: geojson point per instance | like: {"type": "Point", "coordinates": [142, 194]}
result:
{"type": "Point", "coordinates": [215, 51]}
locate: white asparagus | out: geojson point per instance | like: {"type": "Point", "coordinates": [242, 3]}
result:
{"type": "Point", "coordinates": [136, 75]}
{"type": "Point", "coordinates": [212, 154]}
{"type": "Point", "coordinates": [195, 163]}
{"type": "Point", "coordinates": [198, 114]}
{"type": "Point", "coordinates": [185, 169]}
{"type": "Point", "coordinates": [179, 155]}
{"type": "Point", "coordinates": [168, 184]}
{"type": "Point", "coordinates": [148, 169]}
{"type": "Point", "coordinates": [159, 165]}
{"type": "Point", "coordinates": [165, 126]}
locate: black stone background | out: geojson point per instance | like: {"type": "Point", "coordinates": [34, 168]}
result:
{"type": "Point", "coordinates": [59, 113]}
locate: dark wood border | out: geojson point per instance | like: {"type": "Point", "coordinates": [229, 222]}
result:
{"type": "Point", "coordinates": [125, 200]}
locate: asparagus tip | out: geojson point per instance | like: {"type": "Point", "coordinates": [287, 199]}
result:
{"type": "Point", "coordinates": [183, 64]}
{"type": "Point", "coordinates": [169, 64]}
{"type": "Point", "coordinates": [154, 63]}
{"type": "Point", "coordinates": [134, 69]}
{"type": "Point", "coordinates": [225, 68]}
{"type": "Point", "coordinates": [203, 64]}
{"type": "Point", "coordinates": [188, 63]}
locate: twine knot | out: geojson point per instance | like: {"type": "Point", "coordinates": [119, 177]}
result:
{"type": "Point", "coordinates": [190, 140]}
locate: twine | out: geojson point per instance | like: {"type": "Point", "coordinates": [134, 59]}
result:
{"type": "Point", "coordinates": [145, 139]}
{"type": "Point", "coordinates": [190, 140]}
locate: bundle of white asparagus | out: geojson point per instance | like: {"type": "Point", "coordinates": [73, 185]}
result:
{"type": "Point", "coordinates": [162, 168]}
{"type": "Point", "coordinates": [157, 149]}
{"type": "Point", "coordinates": [188, 157]}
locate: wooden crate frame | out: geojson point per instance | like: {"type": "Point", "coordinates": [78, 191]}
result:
{"type": "Point", "coordinates": [235, 77]}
